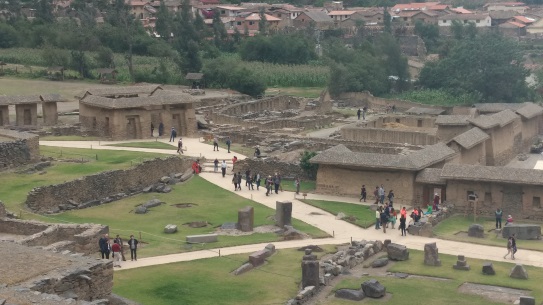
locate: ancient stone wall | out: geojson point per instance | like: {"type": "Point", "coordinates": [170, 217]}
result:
{"type": "Point", "coordinates": [298, 122]}
{"type": "Point", "coordinates": [95, 187]}
{"type": "Point", "coordinates": [270, 166]}
{"type": "Point", "coordinates": [24, 148]}
{"type": "Point", "coordinates": [272, 103]}
{"type": "Point", "coordinates": [12, 226]}
{"type": "Point", "coordinates": [360, 99]}
{"type": "Point", "coordinates": [388, 135]}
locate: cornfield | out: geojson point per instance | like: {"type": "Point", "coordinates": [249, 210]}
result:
{"type": "Point", "coordinates": [276, 75]}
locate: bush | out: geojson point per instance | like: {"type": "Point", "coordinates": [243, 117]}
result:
{"type": "Point", "coordinates": [309, 168]}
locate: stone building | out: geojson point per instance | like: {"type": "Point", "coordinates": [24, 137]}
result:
{"type": "Point", "coordinates": [26, 109]}
{"type": "Point", "coordinates": [18, 148]}
{"type": "Point", "coordinates": [128, 112]}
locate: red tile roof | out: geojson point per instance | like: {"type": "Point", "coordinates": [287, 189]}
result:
{"type": "Point", "coordinates": [340, 13]}
{"type": "Point", "coordinates": [524, 19]}
{"type": "Point", "coordinates": [256, 17]}
{"type": "Point", "coordinates": [461, 10]}
{"type": "Point", "coordinates": [517, 24]}
{"type": "Point", "coordinates": [414, 6]}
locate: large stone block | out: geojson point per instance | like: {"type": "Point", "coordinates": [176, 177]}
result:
{"type": "Point", "coordinates": [431, 255]}
{"type": "Point", "coordinates": [373, 289]}
{"type": "Point", "coordinates": [170, 229]}
{"type": "Point", "coordinates": [524, 300]}
{"type": "Point", "coordinates": [350, 294]}
{"type": "Point", "coordinates": [153, 203]}
{"type": "Point", "coordinates": [476, 230]}
{"type": "Point", "coordinates": [522, 231]}
{"type": "Point", "coordinates": [283, 213]}
{"type": "Point", "coordinates": [397, 252]}
{"type": "Point", "coordinates": [488, 269]}
{"type": "Point", "coordinates": [518, 272]}
{"type": "Point", "coordinates": [3, 212]}
{"type": "Point", "coordinates": [421, 229]}
{"type": "Point", "coordinates": [204, 238]}
{"type": "Point", "coordinates": [258, 258]}
{"type": "Point", "coordinates": [246, 219]}
{"type": "Point", "coordinates": [310, 270]}
{"type": "Point", "coordinates": [381, 262]}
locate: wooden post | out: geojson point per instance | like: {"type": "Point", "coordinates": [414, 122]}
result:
{"type": "Point", "coordinates": [140, 236]}
{"type": "Point", "coordinates": [475, 210]}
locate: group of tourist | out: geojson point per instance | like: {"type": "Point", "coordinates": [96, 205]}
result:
{"type": "Point", "coordinates": [385, 215]}
{"type": "Point", "coordinates": [117, 249]}
{"type": "Point", "coordinates": [216, 143]}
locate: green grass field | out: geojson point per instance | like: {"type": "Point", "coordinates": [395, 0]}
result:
{"type": "Point", "coordinates": [68, 138]}
{"type": "Point", "coordinates": [152, 145]}
{"type": "Point", "coordinates": [234, 147]}
{"type": "Point", "coordinates": [365, 217]}
{"type": "Point", "coordinates": [14, 187]}
{"type": "Point", "coordinates": [305, 186]}
{"type": "Point", "coordinates": [448, 229]}
{"type": "Point", "coordinates": [209, 282]}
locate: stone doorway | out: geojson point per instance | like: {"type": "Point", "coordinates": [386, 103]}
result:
{"type": "Point", "coordinates": [1, 118]}
{"type": "Point", "coordinates": [27, 117]}
{"type": "Point", "coordinates": [429, 193]}
{"type": "Point", "coordinates": [106, 126]}
{"type": "Point", "coordinates": [133, 127]}
{"type": "Point", "coordinates": [176, 122]}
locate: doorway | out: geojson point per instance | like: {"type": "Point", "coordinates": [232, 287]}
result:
{"type": "Point", "coordinates": [27, 117]}
{"type": "Point", "coordinates": [1, 118]}
{"type": "Point", "coordinates": [131, 128]}
{"type": "Point", "coordinates": [106, 126]}
{"type": "Point", "coordinates": [176, 122]}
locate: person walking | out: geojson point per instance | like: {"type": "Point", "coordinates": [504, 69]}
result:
{"type": "Point", "coordinates": [378, 218]}
{"type": "Point", "coordinates": [393, 217]}
{"type": "Point", "coordinates": [297, 185]}
{"type": "Point", "coordinates": [173, 134]}
{"type": "Point", "coordinates": [247, 177]}
{"type": "Point", "coordinates": [103, 243]}
{"type": "Point", "coordinates": [384, 220]}
{"type": "Point", "coordinates": [499, 215]}
{"type": "Point", "coordinates": [276, 182]}
{"type": "Point", "coordinates": [391, 198]}
{"type": "Point", "coordinates": [509, 247]}
{"type": "Point", "coordinates": [234, 160]}
{"type": "Point", "coordinates": [119, 240]}
{"type": "Point", "coordinates": [152, 129]}
{"type": "Point", "coordinates": [160, 129]}
{"type": "Point", "coordinates": [216, 165]}
{"type": "Point", "coordinates": [215, 143]}
{"type": "Point", "coordinates": [402, 226]}
{"type": "Point", "coordinates": [250, 183]}
{"type": "Point", "coordinates": [116, 248]}
{"type": "Point", "coordinates": [513, 246]}
{"type": "Point", "coordinates": [133, 244]}
{"type": "Point", "coordinates": [239, 180]}
{"type": "Point", "coordinates": [180, 146]}
{"type": "Point", "coordinates": [358, 113]}
{"type": "Point", "coordinates": [269, 183]}
{"type": "Point", "coordinates": [235, 181]}
{"type": "Point", "coordinates": [228, 143]}
{"type": "Point", "coordinates": [436, 202]}
{"type": "Point", "coordinates": [363, 193]}
{"type": "Point", "coordinates": [376, 194]}
{"type": "Point", "coordinates": [382, 194]}
{"type": "Point", "coordinates": [257, 180]}
{"type": "Point", "coordinates": [364, 110]}
{"type": "Point", "coordinates": [223, 168]}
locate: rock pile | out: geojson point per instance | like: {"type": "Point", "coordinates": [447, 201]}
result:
{"type": "Point", "coordinates": [371, 289]}
{"type": "Point", "coordinates": [256, 259]}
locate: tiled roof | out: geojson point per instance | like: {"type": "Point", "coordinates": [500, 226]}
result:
{"type": "Point", "coordinates": [525, 20]}
{"type": "Point", "coordinates": [471, 138]}
{"type": "Point", "coordinates": [149, 89]}
{"type": "Point", "coordinates": [430, 176]}
{"type": "Point", "coordinates": [502, 14]}
{"type": "Point", "coordinates": [417, 160]}
{"type": "Point", "coordinates": [463, 17]}
{"type": "Point", "coordinates": [452, 120]}
{"type": "Point", "coordinates": [497, 107]}
{"type": "Point", "coordinates": [137, 102]}
{"type": "Point", "coordinates": [421, 110]}
{"type": "Point", "coordinates": [340, 13]}
{"type": "Point", "coordinates": [19, 99]}
{"type": "Point", "coordinates": [530, 110]}
{"type": "Point", "coordinates": [256, 17]}
{"type": "Point", "coordinates": [501, 118]}
{"type": "Point", "coordinates": [512, 24]}
{"type": "Point", "coordinates": [492, 174]}
{"type": "Point", "coordinates": [53, 97]}
{"type": "Point", "coordinates": [461, 10]}
{"type": "Point", "coordinates": [414, 5]}
{"type": "Point", "coordinates": [318, 16]}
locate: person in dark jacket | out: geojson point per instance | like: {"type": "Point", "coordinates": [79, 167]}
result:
{"type": "Point", "coordinates": [402, 227]}
{"type": "Point", "coordinates": [103, 243]}
{"type": "Point", "coordinates": [160, 129]}
{"type": "Point", "coordinates": [133, 244]}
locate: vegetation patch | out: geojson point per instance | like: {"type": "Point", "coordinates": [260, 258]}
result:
{"type": "Point", "coordinates": [359, 215]}
{"type": "Point", "coordinates": [152, 145]}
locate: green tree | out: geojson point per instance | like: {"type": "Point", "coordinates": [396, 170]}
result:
{"type": "Point", "coordinates": [163, 25]}
{"type": "Point", "coordinates": [309, 168]}
{"type": "Point", "coordinates": [457, 29]}
{"type": "Point", "coordinates": [55, 57]}
{"type": "Point", "coordinates": [429, 33]}
{"type": "Point", "coordinates": [8, 36]}
{"type": "Point", "coordinates": [104, 58]}
{"type": "Point", "coordinates": [489, 65]}
{"type": "Point", "coordinates": [387, 20]}
{"type": "Point", "coordinates": [220, 36]}
{"type": "Point", "coordinates": [262, 22]}
{"type": "Point", "coordinates": [120, 17]}
{"type": "Point", "coordinates": [225, 72]}
{"type": "Point", "coordinates": [80, 63]}
{"type": "Point", "coordinates": [44, 11]}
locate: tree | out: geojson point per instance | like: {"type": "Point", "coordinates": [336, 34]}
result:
{"type": "Point", "coordinates": [457, 29]}
{"type": "Point", "coordinates": [44, 11]}
{"type": "Point", "coordinates": [80, 63]}
{"type": "Point", "coordinates": [387, 20]}
{"type": "Point", "coordinates": [489, 65]}
{"type": "Point", "coordinates": [104, 58]}
{"type": "Point", "coordinates": [120, 16]}
{"type": "Point", "coordinates": [262, 22]}
{"type": "Point", "coordinates": [163, 25]}
{"type": "Point", "coordinates": [309, 168]}
{"type": "Point", "coordinates": [8, 36]}
{"type": "Point", "coordinates": [429, 33]}
{"type": "Point", "coordinates": [220, 36]}
{"type": "Point", "coordinates": [225, 72]}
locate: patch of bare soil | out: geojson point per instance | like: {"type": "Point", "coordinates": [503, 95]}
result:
{"type": "Point", "coordinates": [493, 293]}
{"type": "Point", "coordinates": [289, 156]}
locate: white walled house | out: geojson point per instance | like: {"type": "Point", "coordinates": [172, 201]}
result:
{"type": "Point", "coordinates": [480, 20]}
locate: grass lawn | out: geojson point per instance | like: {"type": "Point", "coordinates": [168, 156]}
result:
{"type": "Point", "coordinates": [68, 138]}
{"type": "Point", "coordinates": [234, 147]}
{"type": "Point", "coordinates": [155, 145]}
{"type": "Point", "coordinates": [209, 282]}
{"type": "Point", "coordinates": [14, 187]}
{"type": "Point", "coordinates": [365, 217]}
{"type": "Point", "coordinates": [448, 228]}
{"type": "Point", "coordinates": [305, 186]}
{"type": "Point", "coordinates": [310, 92]}
{"type": "Point", "coordinates": [213, 204]}
{"type": "Point", "coordinates": [414, 290]}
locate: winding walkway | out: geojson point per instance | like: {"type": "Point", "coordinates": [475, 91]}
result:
{"type": "Point", "coordinates": [341, 231]}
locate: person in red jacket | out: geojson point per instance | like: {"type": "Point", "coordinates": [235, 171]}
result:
{"type": "Point", "coordinates": [116, 249]}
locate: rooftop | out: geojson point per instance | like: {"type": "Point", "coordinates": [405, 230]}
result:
{"type": "Point", "coordinates": [496, 107]}
{"type": "Point", "coordinates": [501, 119]}
{"type": "Point", "coordinates": [492, 174]}
{"type": "Point", "coordinates": [421, 110]}
{"type": "Point", "coordinates": [471, 138]}
{"type": "Point", "coordinates": [452, 120]}
{"type": "Point", "coordinates": [137, 102]}
{"type": "Point", "coordinates": [463, 17]}
{"type": "Point", "coordinates": [317, 15]}
{"type": "Point", "coordinates": [340, 13]}
{"type": "Point", "coordinates": [115, 91]}
{"type": "Point", "coordinates": [430, 176]}
{"type": "Point", "coordinates": [530, 110]}
{"type": "Point", "coordinates": [19, 99]}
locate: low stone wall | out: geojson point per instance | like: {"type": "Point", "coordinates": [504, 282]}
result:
{"type": "Point", "coordinates": [12, 226]}
{"type": "Point", "coordinates": [297, 122]}
{"type": "Point", "coordinates": [388, 136]}
{"type": "Point", "coordinates": [47, 199]}
{"type": "Point", "coordinates": [270, 166]}
{"type": "Point", "coordinates": [364, 98]}
{"type": "Point", "coordinates": [270, 104]}
{"type": "Point", "coordinates": [22, 148]}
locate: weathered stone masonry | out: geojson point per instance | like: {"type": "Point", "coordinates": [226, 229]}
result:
{"type": "Point", "coordinates": [22, 149]}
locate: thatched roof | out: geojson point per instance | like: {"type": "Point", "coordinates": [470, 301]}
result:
{"type": "Point", "coordinates": [430, 176]}
{"type": "Point", "coordinates": [471, 138]}
{"type": "Point", "coordinates": [341, 155]}
{"type": "Point", "coordinates": [501, 119]}
{"type": "Point", "coordinates": [19, 99]}
{"type": "Point", "coordinates": [452, 120]}
{"type": "Point", "coordinates": [137, 102]}
{"type": "Point", "coordinates": [492, 174]}
{"type": "Point", "coordinates": [120, 91]}
{"type": "Point", "coordinates": [496, 107]}
{"type": "Point", "coordinates": [421, 110]}
{"type": "Point", "coordinates": [53, 97]}
{"type": "Point", "coordinates": [530, 110]}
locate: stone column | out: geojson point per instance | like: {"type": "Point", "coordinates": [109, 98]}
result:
{"type": "Point", "coordinates": [246, 219]}
{"type": "Point", "coordinates": [310, 269]}
{"type": "Point", "coordinates": [431, 255]}
{"type": "Point", "coordinates": [283, 213]}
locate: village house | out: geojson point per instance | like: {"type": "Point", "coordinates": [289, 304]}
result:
{"type": "Point", "coordinates": [128, 112]}
{"type": "Point", "coordinates": [252, 21]}
{"type": "Point", "coordinates": [230, 11]}
{"type": "Point", "coordinates": [413, 6]}
{"type": "Point", "coordinates": [316, 18]}
{"type": "Point", "coordinates": [26, 109]}
{"type": "Point", "coordinates": [519, 7]}
{"type": "Point", "coordinates": [338, 16]}
{"type": "Point", "coordinates": [480, 20]}
{"type": "Point", "coordinates": [409, 18]}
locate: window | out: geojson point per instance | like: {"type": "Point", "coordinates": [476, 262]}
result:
{"type": "Point", "coordinates": [238, 23]}
{"type": "Point", "coordinates": [419, 123]}
{"type": "Point", "coordinates": [223, 12]}
{"type": "Point", "coordinates": [536, 202]}
{"type": "Point", "coordinates": [251, 23]}
{"type": "Point", "coordinates": [404, 18]}
{"type": "Point", "coordinates": [397, 120]}
{"type": "Point", "coordinates": [303, 20]}
{"type": "Point", "coordinates": [471, 195]}
{"type": "Point", "coordinates": [478, 21]}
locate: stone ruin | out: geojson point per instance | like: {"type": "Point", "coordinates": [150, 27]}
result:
{"type": "Point", "coordinates": [256, 259]}
{"type": "Point", "coordinates": [461, 264]}
{"type": "Point", "coordinates": [431, 255]}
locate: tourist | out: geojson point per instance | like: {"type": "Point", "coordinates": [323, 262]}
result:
{"type": "Point", "coordinates": [376, 194]}
{"type": "Point", "coordinates": [239, 180]}
{"type": "Point", "coordinates": [152, 129]}
{"type": "Point", "coordinates": [509, 220]}
{"type": "Point", "coordinates": [509, 247]}
{"type": "Point", "coordinates": [234, 160]}
{"type": "Point", "coordinates": [247, 177]}
{"type": "Point", "coordinates": [196, 167]}
{"type": "Point", "coordinates": [119, 240]}
{"type": "Point", "coordinates": [377, 218]}
{"type": "Point", "coordinates": [276, 182]}
{"type": "Point", "coordinates": [363, 193]}
{"type": "Point", "coordinates": [382, 194]}
{"type": "Point", "coordinates": [436, 202]}
{"type": "Point", "coordinates": [402, 226]}
{"type": "Point", "coordinates": [228, 143]}
{"type": "Point", "coordinates": [297, 185]}
{"type": "Point", "coordinates": [257, 151]}
{"type": "Point", "coordinates": [384, 220]}
{"type": "Point", "coordinates": [364, 110]}
{"type": "Point", "coordinates": [269, 183]}
{"type": "Point", "coordinates": [358, 113]}
{"type": "Point", "coordinates": [235, 181]}
{"type": "Point", "coordinates": [498, 214]}
{"type": "Point", "coordinates": [160, 129]}
{"type": "Point", "coordinates": [180, 145]}
{"type": "Point", "coordinates": [393, 108]}
{"type": "Point", "coordinates": [390, 198]}
{"type": "Point", "coordinates": [429, 210]}
{"type": "Point", "coordinates": [513, 246]}
{"type": "Point", "coordinates": [215, 143]}
{"type": "Point", "coordinates": [133, 244]}
{"type": "Point", "coordinates": [280, 180]}
{"type": "Point", "coordinates": [403, 213]}
{"type": "Point", "coordinates": [173, 134]}
{"type": "Point", "coordinates": [420, 213]}
{"type": "Point", "coordinates": [216, 165]}
{"type": "Point", "coordinates": [257, 180]}
{"type": "Point", "coordinates": [116, 248]}
{"type": "Point", "coordinates": [250, 183]}
{"type": "Point", "coordinates": [103, 243]}
{"type": "Point", "coordinates": [392, 217]}
{"type": "Point", "coordinates": [223, 168]}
